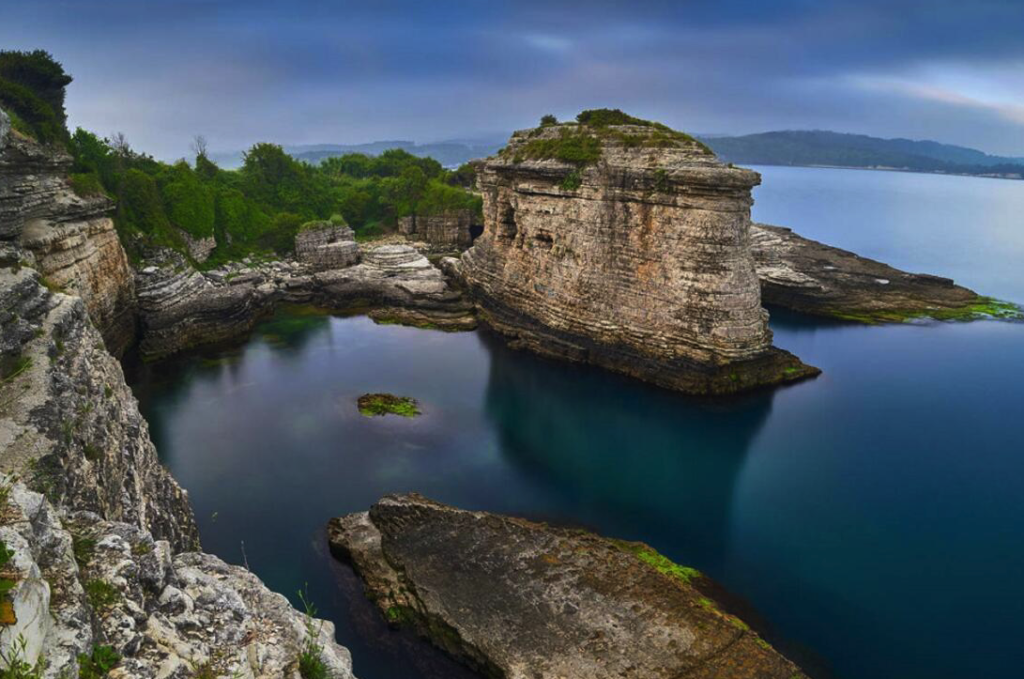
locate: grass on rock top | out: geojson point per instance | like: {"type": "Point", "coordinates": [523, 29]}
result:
{"type": "Point", "coordinates": [373, 405]}
{"type": "Point", "coordinates": [982, 307]}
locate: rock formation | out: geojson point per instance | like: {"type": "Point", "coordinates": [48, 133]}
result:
{"type": "Point", "coordinates": [626, 246]}
{"type": "Point", "coordinates": [180, 307]}
{"type": "Point", "coordinates": [81, 583]}
{"type": "Point", "coordinates": [72, 239]}
{"type": "Point", "coordinates": [522, 600]}
{"type": "Point", "coordinates": [325, 245]}
{"type": "Point", "coordinates": [450, 229]}
{"type": "Point", "coordinates": [813, 278]}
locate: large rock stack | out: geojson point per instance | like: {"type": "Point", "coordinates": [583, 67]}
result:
{"type": "Point", "coordinates": [326, 245]}
{"type": "Point", "coordinates": [626, 246]}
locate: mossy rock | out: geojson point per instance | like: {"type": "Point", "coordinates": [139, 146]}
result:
{"type": "Point", "coordinates": [373, 405]}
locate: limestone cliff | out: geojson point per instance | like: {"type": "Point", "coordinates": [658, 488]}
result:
{"type": "Point", "coordinates": [69, 424]}
{"type": "Point", "coordinates": [71, 239]}
{"type": "Point", "coordinates": [522, 600]}
{"type": "Point", "coordinates": [450, 229]}
{"type": "Point", "coordinates": [626, 246]}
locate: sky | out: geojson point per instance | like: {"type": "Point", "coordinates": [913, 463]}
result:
{"type": "Point", "coordinates": [306, 72]}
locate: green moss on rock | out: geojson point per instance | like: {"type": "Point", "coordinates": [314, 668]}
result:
{"type": "Point", "coordinates": [373, 405]}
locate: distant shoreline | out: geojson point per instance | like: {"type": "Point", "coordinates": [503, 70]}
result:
{"type": "Point", "coordinates": [888, 169]}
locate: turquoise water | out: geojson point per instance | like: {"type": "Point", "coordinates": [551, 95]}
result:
{"type": "Point", "coordinates": [873, 518]}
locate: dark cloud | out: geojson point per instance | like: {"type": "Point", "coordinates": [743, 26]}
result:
{"type": "Point", "coordinates": [302, 72]}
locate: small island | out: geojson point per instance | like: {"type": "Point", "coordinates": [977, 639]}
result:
{"type": "Point", "coordinates": [372, 405]}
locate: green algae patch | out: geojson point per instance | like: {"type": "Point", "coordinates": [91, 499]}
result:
{"type": "Point", "coordinates": [661, 563]}
{"type": "Point", "coordinates": [373, 405]}
{"type": "Point", "coordinates": [980, 309]}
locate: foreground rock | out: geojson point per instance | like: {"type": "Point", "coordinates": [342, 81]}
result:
{"type": "Point", "coordinates": [69, 424]}
{"type": "Point", "coordinates": [517, 599]}
{"type": "Point", "coordinates": [450, 229]}
{"type": "Point", "coordinates": [82, 584]}
{"type": "Point", "coordinates": [638, 260]}
{"type": "Point", "coordinates": [69, 239]}
{"type": "Point", "coordinates": [180, 307]}
{"type": "Point", "coordinates": [326, 245]}
{"type": "Point", "coordinates": [813, 278]}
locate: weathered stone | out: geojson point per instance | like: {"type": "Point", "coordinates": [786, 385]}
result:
{"type": "Point", "coordinates": [72, 238]}
{"type": "Point", "coordinates": [82, 582]}
{"type": "Point", "coordinates": [450, 229]}
{"type": "Point", "coordinates": [199, 249]}
{"type": "Point", "coordinates": [813, 278]}
{"type": "Point", "coordinates": [640, 262]}
{"type": "Point", "coordinates": [323, 246]}
{"type": "Point", "coordinates": [68, 422]}
{"type": "Point", "coordinates": [181, 308]}
{"type": "Point", "coordinates": [522, 600]}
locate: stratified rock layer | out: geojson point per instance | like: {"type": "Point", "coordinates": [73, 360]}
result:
{"type": "Point", "coordinates": [323, 246]}
{"type": "Point", "coordinates": [640, 263]}
{"type": "Point", "coordinates": [82, 582]}
{"type": "Point", "coordinates": [521, 600]}
{"type": "Point", "coordinates": [450, 229]}
{"type": "Point", "coordinates": [180, 307]}
{"type": "Point", "coordinates": [69, 424]}
{"type": "Point", "coordinates": [71, 239]}
{"type": "Point", "coordinates": [810, 277]}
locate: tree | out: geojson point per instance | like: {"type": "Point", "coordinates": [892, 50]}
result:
{"type": "Point", "coordinates": [548, 120]}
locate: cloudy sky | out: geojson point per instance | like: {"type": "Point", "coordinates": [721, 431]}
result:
{"type": "Point", "coordinates": [295, 72]}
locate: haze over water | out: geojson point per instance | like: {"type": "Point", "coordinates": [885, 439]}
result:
{"type": "Point", "coordinates": [874, 517]}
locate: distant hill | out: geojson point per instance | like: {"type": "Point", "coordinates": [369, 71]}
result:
{"type": "Point", "coordinates": [448, 153]}
{"type": "Point", "coordinates": [817, 148]}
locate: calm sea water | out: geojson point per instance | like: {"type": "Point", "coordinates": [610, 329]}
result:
{"type": "Point", "coordinates": [873, 518]}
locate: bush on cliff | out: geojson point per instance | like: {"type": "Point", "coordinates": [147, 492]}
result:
{"type": "Point", "coordinates": [32, 88]}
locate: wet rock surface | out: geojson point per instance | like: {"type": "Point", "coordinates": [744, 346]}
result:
{"type": "Point", "coordinates": [518, 599]}
{"type": "Point", "coordinates": [810, 277]}
{"type": "Point", "coordinates": [639, 262]}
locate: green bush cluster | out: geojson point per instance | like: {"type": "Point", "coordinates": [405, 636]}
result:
{"type": "Point", "coordinates": [32, 92]}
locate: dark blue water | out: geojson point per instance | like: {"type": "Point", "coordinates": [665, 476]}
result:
{"type": "Point", "coordinates": [873, 518]}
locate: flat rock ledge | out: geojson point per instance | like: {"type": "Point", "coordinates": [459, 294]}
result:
{"type": "Point", "coordinates": [521, 600]}
{"type": "Point", "coordinates": [804, 275]}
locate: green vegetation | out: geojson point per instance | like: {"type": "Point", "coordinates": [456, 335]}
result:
{"type": "Point", "coordinates": [97, 664]}
{"type": "Point", "coordinates": [373, 405]}
{"type": "Point", "coordinates": [311, 661]}
{"type": "Point", "coordinates": [14, 665]}
{"type": "Point", "coordinates": [32, 92]}
{"type": "Point", "coordinates": [12, 366]}
{"type": "Point", "coordinates": [101, 594]}
{"type": "Point", "coordinates": [84, 548]}
{"type": "Point", "coordinates": [256, 210]}
{"type": "Point", "coordinates": [548, 120]}
{"type": "Point", "coordinates": [982, 307]}
{"type": "Point", "coordinates": [660, 563]}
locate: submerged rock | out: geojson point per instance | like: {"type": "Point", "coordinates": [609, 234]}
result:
{"type": "Point", "coordinates": [813, 278]}
{"type": "Point", "coordinates": [522, 600]}
{"type": "Point", "coordinates": [626, 246]}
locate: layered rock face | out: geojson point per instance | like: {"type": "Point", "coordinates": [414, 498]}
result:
{"type": "Point", "coordinates": [450, 229]}
{"type": "Point", "coordinates": [324, 246]}
{"type": "Point", "coordinates": [180, 307]}
{"type": "Point", "coordinates": [811, 277]}
{"type": "Point", "coordinates": [81, 582]}
{"type": "Point", "coordinates": [69, 424]}
{"type": "Point", "coordinates": [522, 600]}
{"type": "Point", "coordinates": [72, 239]}
{"type": "Point", "coordinates": [639, 261]}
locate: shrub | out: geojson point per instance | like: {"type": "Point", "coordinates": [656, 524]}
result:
{"type": "Point", "coordinates": [86, 184]}
{"type": "Point", "coordinates": [548, 120]}
{"type": "Point", "coordinates": [97, 664]}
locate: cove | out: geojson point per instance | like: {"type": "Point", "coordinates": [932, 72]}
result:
{"type": "Point", "coordinates": [872, 517]}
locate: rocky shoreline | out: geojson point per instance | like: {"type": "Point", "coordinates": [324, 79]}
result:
{"type": "Point", "coordinates": [517, 599]}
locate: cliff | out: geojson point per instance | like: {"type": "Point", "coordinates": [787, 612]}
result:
{"type": "Point", "coordinates": [813, 278]}
{"type": "Point", "coordinates": [626, 246]}
{"type": "Point", "coordinates": [71, 239]}
{"type": "Point", "coordinates": [449, 229]}
{"type": "Point", "coordinates": [520, 600]}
